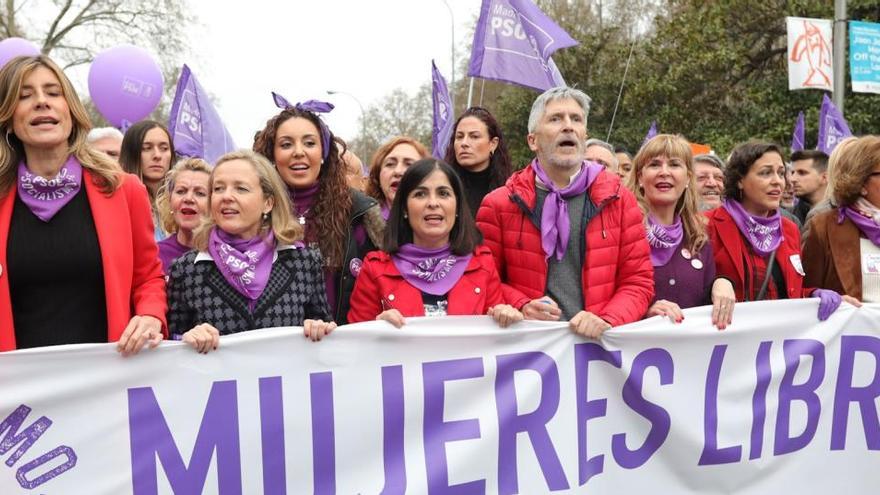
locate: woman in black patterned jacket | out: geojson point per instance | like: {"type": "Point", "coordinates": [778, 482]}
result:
{"type": "Point", "coordinates": [249, 269]}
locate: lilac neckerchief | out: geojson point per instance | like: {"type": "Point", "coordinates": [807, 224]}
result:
{"type": "Point", "coordinates": [434, 271]}
{"type": "Point", "coordinates": [169, 250]}
{"type": "Point", "coordinates": [385, 210]}
{"type": "Point", "coordinates": [663, 239]}
{"type": "Point", "coordinates": [245, 264]}
{"type": "Point", "coordinates": [45, 197]}
{"type": "Point", "coordinates": [865, 216]}
{"type": "Point", "coordinates": [555, 226]}
{"type": "Point", "coordinates": [763, 233]}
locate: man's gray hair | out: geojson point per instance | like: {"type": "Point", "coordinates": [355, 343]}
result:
{"type": "Point", "coordinates": [599, 143]}
{"type": "Point", "coordinates": [710, 159]}
{"type": "Point", "coordinates": [553, 94]}
{"type": "Point", "coordinates": [99, 133]}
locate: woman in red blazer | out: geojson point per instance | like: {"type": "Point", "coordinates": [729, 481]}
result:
{"type": "Point", "coordinates": [432, 265]}
{"type": "Point", "coordinates": [78, 262]}
{"type": "Point", "coordinates": [748, 234]}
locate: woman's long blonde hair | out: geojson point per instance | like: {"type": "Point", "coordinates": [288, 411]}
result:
{"type": "Point", "coordinates": [286, 229]}
{"type": "Point", "coordinates": [107, 173]}
{"type": "Point", "coordinates": [692, 221]}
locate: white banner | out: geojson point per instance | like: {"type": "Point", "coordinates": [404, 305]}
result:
{"type": "Point", "coordinates": [777, 403]}
{"type": "Point", "coordinates": [809, 53]}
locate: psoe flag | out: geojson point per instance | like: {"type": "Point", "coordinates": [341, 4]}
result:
{"type": "Point", "coordinates": [513, 42]}
{"type": "Point", "coordinates": [864, 56]}
{"type": "Point", "coordinates": [809, 53]}
{"type": "Point", "coordinates": [195, 125]}
{"type": "Point", "coordinates": [441, 128]}
{"type": "Point", "coordinates": [833, 127]}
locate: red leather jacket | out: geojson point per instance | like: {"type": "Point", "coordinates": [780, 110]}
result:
{"type": "Point", "coordinates": [617, 275]}
{"type": "Point", "coordinates": [380, 285]}
{"type": "Point", "coordinates": [133, 279]}
{"type": "Point", "coordinates": [731, 261]}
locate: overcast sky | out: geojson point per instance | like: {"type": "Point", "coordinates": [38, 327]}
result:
{"type": "Point", "coordinates": [303, 48]}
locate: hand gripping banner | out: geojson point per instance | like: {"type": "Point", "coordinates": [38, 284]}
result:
{"type": "Point", "coordinates": [777, 403]}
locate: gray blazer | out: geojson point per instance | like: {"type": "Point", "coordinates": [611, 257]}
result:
{"type": "Point", "coordinates": [198, 293]}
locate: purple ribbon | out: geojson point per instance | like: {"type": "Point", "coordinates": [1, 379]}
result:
{"type": "Point", "coordinates": [434, 271]}
{"type": "Point", "coordinates": [663, 239]}
{"type": "Point", "coordinates": [763, 233]}
{"type": "Point", "coordinates": [244, 263]}
{"type": "Point", "coordinates": [865, 223]}
{"type": "Point", "coordinates": [555, 225]}
{"type": "Point", "coordinates": [315, 107]}
{"type": "Point", "coordinates": [45, 197]}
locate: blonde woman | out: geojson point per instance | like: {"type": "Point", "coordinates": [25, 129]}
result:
{"type": "Point", "coordinates": [182, 201]}
{"type": "Point", "coordinates": [842, 245]}
{"type": "Point", "coordinates": [78, 258]}
{"type": "Point", "coordinates": [664, 184]}
{"type": "Point", "coordinates": [249, 269]}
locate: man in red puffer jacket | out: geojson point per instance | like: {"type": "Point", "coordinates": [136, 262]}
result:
{"type": "Point", "coordinates": [568, 239]}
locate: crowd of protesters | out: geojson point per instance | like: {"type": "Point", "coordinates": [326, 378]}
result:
{"type": "Point", "coordinates": [108, 238]}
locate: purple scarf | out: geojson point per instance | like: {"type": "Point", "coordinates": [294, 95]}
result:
{"type": "Point", "coordinates": [385, 210]}
{"type": "Point", "coordinates": [45, 197]}
{"type": "Point", "coordinates": [434, 271]}
{"type": "Point", "coordinates": [169, 250]}
{"type": "Point", "coordinates": [555, 225]}
{"type": "Point", "coordinates": [763, 233]}
{"type": "Point", "coordinates": [245, 264]}
{"type": "Point", "coordinates": [303, 200]}
{"type": "Point", "coordinates": [663, 239]}
{"type": "Point", "coordinates": [863, 220]}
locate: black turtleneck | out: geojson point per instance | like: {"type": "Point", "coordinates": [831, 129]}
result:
{"type": "Point", "coordinates": [476, 186]}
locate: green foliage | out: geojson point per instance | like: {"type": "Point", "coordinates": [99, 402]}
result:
{"type": "Point", "coordinates": [714, 72]}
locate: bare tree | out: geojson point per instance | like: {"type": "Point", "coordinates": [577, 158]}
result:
{"type": "Point", "coordinates": [73, 32]}
{"type": "Point", "coordinates": [397, 114]}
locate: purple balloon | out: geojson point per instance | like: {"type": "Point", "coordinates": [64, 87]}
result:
{"type": "Point", "coordinates": [125, 83]}
{"type": "Point", "coordinates": [14, 47]}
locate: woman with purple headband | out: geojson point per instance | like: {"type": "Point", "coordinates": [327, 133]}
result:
{"type": "Point", "coordinates": [433, 264]}
{"type": "Point", "coordinates": [343, 222]}
{"type": "Point", "coordinates": [755, 247]}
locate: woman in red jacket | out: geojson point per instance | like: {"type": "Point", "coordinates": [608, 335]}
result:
{"type": "Point", "coordinates": [78, 262]}
{"type": "Point", "coordinates": [432, 264]}
{"type": "Point", "coordinates": [749, 235]}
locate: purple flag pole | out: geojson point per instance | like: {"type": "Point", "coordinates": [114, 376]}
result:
{"type": "Point", "coordinates": [513, 42]}
{"type": "Point", "coordinates": [797, 136]}
{"type": "Point", "coordinates": [196, 128]}
{"type": "Point", "coordinates": [832, 126]}
{"type": "Point", "coordinates": [441, 130]}
{"type": "Point", "coordinates": [651, 133]}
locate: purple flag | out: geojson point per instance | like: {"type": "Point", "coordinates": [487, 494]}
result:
{"type": "Point", "coordinates": [832, 126]}
{"type": "Point", "coordinates": [195, 126]}
{"type": "Point", "coordinates": [441, 129]}
{"type": "Point", "coordinates": [513, 42]}
{"type": "Point", "coordinates": [797, 136]}
{"type": "Point", "coordinates": [651, 132]}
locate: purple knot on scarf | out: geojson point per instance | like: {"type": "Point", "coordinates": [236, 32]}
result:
{"type": "Point", "coordinates": [555, 224]}
{"type": "Point", "coordinates": [315, 107]}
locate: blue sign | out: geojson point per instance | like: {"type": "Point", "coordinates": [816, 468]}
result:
{"type": "Point", "coordinates": [864, 56]}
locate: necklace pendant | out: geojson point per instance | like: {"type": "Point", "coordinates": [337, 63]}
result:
{"type": "Point", "coordinates": [302, 219]}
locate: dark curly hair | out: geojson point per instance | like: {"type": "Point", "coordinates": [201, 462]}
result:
{"type": "Point", "coordinates": [499, 161]}
{"type": "Point", "coordinates": [329, 222]}
{"type": "Point", "coordinates": [741, 160]}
